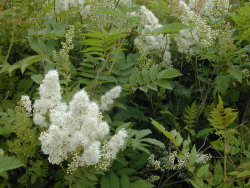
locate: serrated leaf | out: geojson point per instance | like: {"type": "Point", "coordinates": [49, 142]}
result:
{"type": "Point", "coordinates": [141, 184]}
{"type": "Point", "coordinates": [218, 144]}
{"type": "Point", "coordinates": [37, 78]}
{"type": "Point", "coordinates": [173, 136]}
{"type": "Point", "coordinates": [222, 117]}
{"type": "Point", "coordinates": [202, 171]}
{"type": "Point", "coordinates": [197, 183]}
{"type": "Point", "coordinates": [153, 86]}
{"type": "Point", "coordinates": [153, 72]}
{"type": "Point", "coordinates": [154, 142]}
{"type": "Point", "coordinates": [22, 64]}
{"type": "Point", "coordinates": [236, 74]}
{"type": "Point", "coordinates": [125, 181]}
{"type": "Point", "coordinates": [9, 163]}
{"type": "Point", "coordinates": [143, 133]}
{"type": "Point", "coordinates": [218, 173]}
{"type": "Point", "coordinates": [222, 83]}
{"type": "Point", "coordinates": [169, 73]}
{"type": "Point", "coordinates": [114, 180]}
{"type": "Point", "coordinates": [146, 76]}
{"type": "Point", "coordinates": [105, 183]}
{"type": "Point", "coordinates": [164, 83]}
{"type": "Point", "coordinates": [192, 157]}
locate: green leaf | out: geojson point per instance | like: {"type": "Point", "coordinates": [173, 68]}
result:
{"type": "Point", "coordinates": [222, 83]}
{"type": "Point", "coordinates": [236, 74]}
{"type": "Point", "coordinates": [143, 133]}
{"type": "Point", "coordinates": [202, 171]}
{"type": "Point", "coordinates": [161, 129]}
{"type": "Point", "coordinates": [105, 183]}
{"type": "Point", "coordinates": [186, 143]}
{"type": "Point", "coordinates": [173, 136]}
{"type": "Point", "coordinates": [197, 183]}
{"type": "Point", "coordinates": [169, 73]}
{"type": "Point", "coordinates": [22, 64]}
{"type": "Point", "coordinates": [192, 157]}
{"type": "Point", "coordinates": [218, 173]}
{"type": "Point", "coordinates": [141, 184]}
{"type": "Point", "coordinates": [38, 78]}
{"type": "Point", "coordinates": [218, 144]}
{"type": "Point", "coordinates": [222, 117]}
{"type": "Point", "coordinates": [4, 175]}
{"type": "Point", "coordinates": [164, 83]}
{"type": "Point", "coordinates": [40, 46]}
{"type": "Point", "coordinates": [153, 72]}
{"type": "Point", "coordinates": [125, 181]}
{"type": "Point", "coordinates": [9, 163]}
{"type": "Point", "coordinates": [114, 180]}
{"type": "Point", "coordinates": [153, 86]}
{"type": "Point", "coordinates": [154, 142]}
{"type": "Point", "coordinates": [171, 28]}
{"type": "Point", "coordinates": [240, 174]}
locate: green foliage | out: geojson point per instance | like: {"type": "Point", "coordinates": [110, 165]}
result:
{"type": "Point", "coordinates": [222, 117]}
{"type": "Point", "coordinates": [105, 55]}
{"type": "Point", "coordinates": [152, 79]}
{"type": "Point", "coordinates": [138, 141]}
{"type": "Point", "coordinates": [103, 44]}
{"type": "Point", "coordinates": [103, 52]}
{"type": "Point", "coordinates": [173, 136]}
{"type": "Point", "coordinates": [190, 117]}
{"type": "Point", "coordinates": [242, 21]}
{"type": "Point", "coordinates": [25, 143]}
{"type": "Point", "coordinates": [9, 163]}
{"type": "Point", "coordinates": [222, 83]}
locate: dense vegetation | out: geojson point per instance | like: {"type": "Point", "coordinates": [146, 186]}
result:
{"type": "Point", "coordinates": [125, 93]}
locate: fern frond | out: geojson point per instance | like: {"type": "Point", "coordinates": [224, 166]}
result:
{"type": "Point", "coordinates": [222, 117]}
{"type": "Point", "coordinates": [190, 117]}
{"type": "Point", "coordinates": [103, 45]}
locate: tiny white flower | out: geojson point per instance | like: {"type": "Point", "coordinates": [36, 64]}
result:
{"type": "Point", "coordinates": [108, 98]}
{"type": "Point", "coordinates": [26, 103]}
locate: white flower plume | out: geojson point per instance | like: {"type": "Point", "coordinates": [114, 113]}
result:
{"type": "Point", "coordinates": [108, 98]}
{"type": "Point", "coordinates": [153, 42]}
{"type": "Point", "coordinates": [76, 128]}
{"type": "Point", "coordinates": [26, 103]}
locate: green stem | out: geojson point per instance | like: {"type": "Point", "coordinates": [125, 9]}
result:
{"type": "Point", "coordinates": [174, 174]}
{"type": "Point", "coordinates": [225, 157]}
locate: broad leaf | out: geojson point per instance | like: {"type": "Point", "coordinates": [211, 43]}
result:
{"type": "Point", "coordinates": [9, 163]}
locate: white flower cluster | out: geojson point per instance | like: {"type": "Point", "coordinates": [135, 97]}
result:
{"type": "Point", "coordinates": [153, 178]}
{"type": "Point", "coordinates": [26, 103]}
{"type": "Point", "coordinates": [108, 98]}
{"type": "Point", "coordinates": [216, 8]}
{"type": "Point", "coordinates": [1, 152]}
{"type": "Point", "coordinates": [156, 41]}
{"type": "Point", "coordinates": [110, 149]}
{"type": "Point", "coordinates": [50, 97]}
{"type": "Point", "coordinates": [152, 162]}
{"type": "Point", "coordinates": [174, 161]}
{"type": "Point", "coordinates": [169, 161]}
{"type": "Point", "coordinates": [62, 5]}
{"type": "Point", "coordinates": [75, 129]}
{"type": "Point", "coordinates": [245, 73]}
{"type": "Point", "coordinates": [203, 158]}
{"type": "Point", "coordinates": [201, 34]}
{"type": "Point", "coordinates": [62, 57]}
